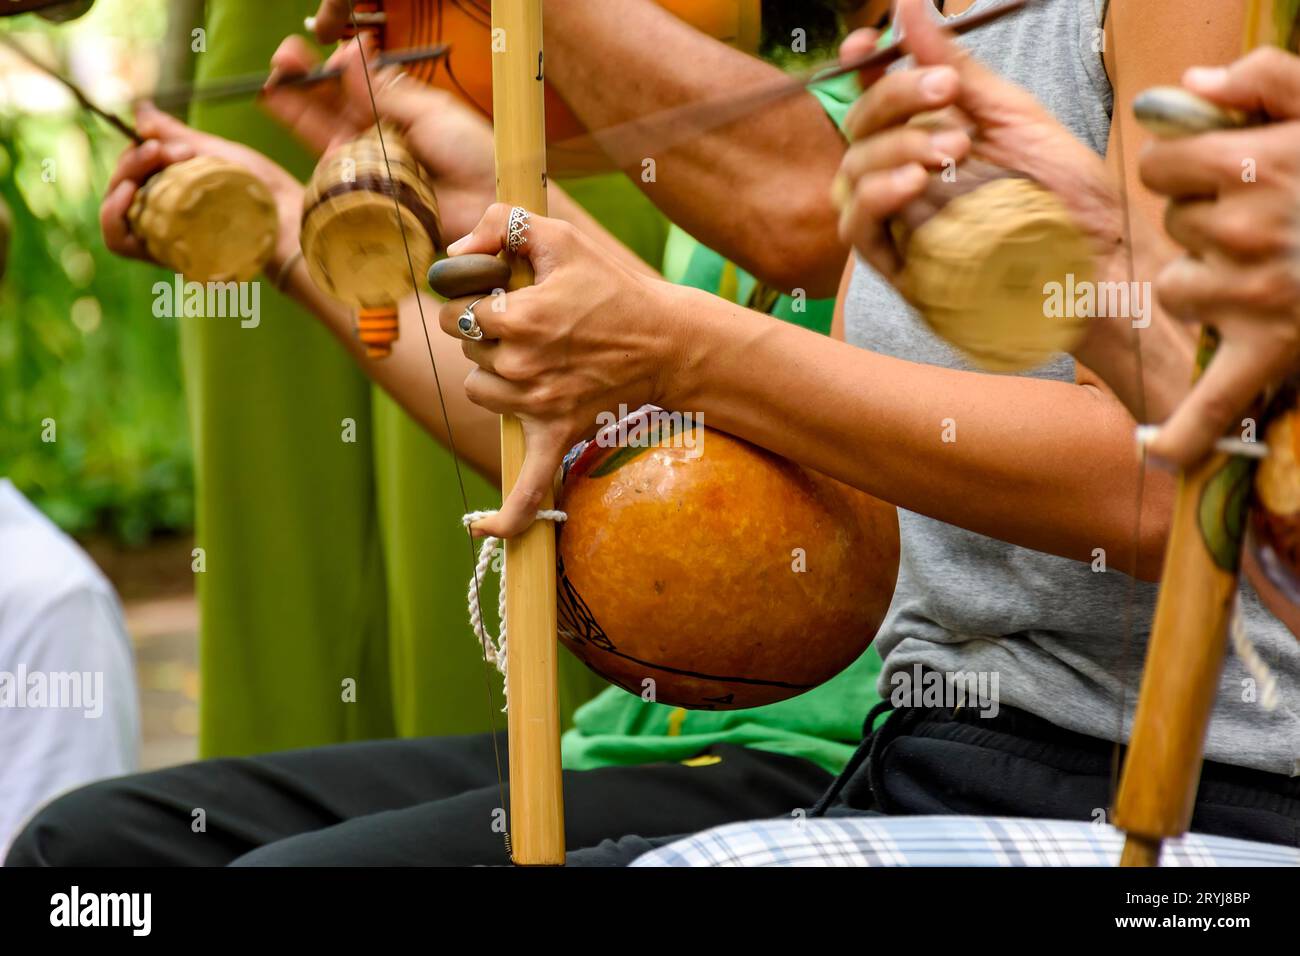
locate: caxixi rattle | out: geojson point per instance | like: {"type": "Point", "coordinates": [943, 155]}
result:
{"type": "Point", "coordinates": [206, 218]}
{"type": "Point", "coordinates": [363, 212]}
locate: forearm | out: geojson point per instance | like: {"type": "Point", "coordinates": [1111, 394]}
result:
{"type": "Point", "coordinates": [1046, 465]}
{"type": "Point", "coordinates": [756, 190]}
{"type": "Point", "coordinates": [407, 374]}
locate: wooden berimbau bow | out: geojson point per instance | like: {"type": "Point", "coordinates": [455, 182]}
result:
{"type": "Point", "coordinates": [536, 811]}
{"type": "Point", "coordinates": [1198, 596]}
{"type": "Point", "coordinates": [536, 792]}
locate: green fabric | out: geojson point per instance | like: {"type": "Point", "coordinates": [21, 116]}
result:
{"type": "Point", "coordinates": [324, 560]}
{"type": "Point", "coordinates": [292, 599]}
{"type": "Point", "coordinates": [623, 209]}
{"type": "Point", "coordinates": [823, 725]}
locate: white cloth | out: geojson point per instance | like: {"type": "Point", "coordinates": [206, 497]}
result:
{"type": "Point", "coordinates": [69, 711]}
{"type": "Point", "coordinates": [944, 841]}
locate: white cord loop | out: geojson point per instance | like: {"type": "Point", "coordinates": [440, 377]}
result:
{"type": "Point", "coordinates": [494, 648]}
{"type": "Point", "coordinates": [1250, 659]}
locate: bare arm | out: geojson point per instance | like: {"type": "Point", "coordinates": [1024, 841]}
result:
{"type": "Point", "coordinates": [756, 190]}
{"type": "Point", "coordinates": [1046, 465]}
{"type": "Point", "coordinates": [408, 375]}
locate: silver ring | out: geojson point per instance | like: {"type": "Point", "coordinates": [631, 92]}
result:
{"type": "Point", "coordinates": [517, 228]}
{"type": "Point", "coordinates": [468, 323]}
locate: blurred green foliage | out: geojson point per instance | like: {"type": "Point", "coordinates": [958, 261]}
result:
{"type": "Point", "coordinates": [79, 344]}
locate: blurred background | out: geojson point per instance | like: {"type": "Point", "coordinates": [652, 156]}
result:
{"type": "Point", "coordinates": [77, 335]}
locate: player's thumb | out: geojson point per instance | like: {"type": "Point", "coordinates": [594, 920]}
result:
{"type": "Point", "coordinates": [982, 93]}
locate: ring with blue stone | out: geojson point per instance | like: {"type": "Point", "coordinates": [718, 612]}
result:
{"type": "Point", "coordinates": [468, 323]}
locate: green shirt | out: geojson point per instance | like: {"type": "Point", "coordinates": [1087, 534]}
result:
{"type": "Point", "coordinates": [823, 725]}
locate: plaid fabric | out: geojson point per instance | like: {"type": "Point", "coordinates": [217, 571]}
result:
{"type": "Point", "coordinates": [944, 841]}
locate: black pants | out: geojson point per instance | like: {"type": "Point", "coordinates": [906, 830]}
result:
{"type": "Point", "coordinates": [425, 802]}
{"type": "Point", "coordinates": [942, 761]}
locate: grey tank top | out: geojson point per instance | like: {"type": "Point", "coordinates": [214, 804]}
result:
{"type": "Point", "coordinates": [1046, 634]}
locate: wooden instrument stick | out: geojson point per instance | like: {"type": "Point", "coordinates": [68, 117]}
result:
{"type": "Point", "coordinates": [536, 792]}
{"type": "Point", "coordinates": [253, 84]}
{"type": "Point", "coordinates": [119, 124]}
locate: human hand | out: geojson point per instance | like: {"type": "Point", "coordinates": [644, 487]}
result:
{"type": "Point", "coordinates": [587, 337]}
{"type": "Point", "coordinates": [1235, 207]}
{"type": "Point", "coordinates": [169, 141]}
{"type": "Point", "coordinates": [452, 142]}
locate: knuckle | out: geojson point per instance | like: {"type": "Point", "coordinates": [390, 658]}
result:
{"type": "Point", "coordinates": [540, 398]}
{"type": "Point", "coordinates": [564, 232]}
{"type": "Point", "coordinates": [1240, 232]}
{"type": "Point", "coordinates": [506, 324]}
{"type": "Point", "coordinates": [1284, 283]}
{"type": "Point", "coordinates": [507, 366]}
{"type": "Point", "coordinates": [546, 395]}
{"type": "Point", "coordinates": [520, 323]}
{"type": "Point", "coordinates": [1169, 287]}
{"type": "Point", "coordinates": [439, 99]}
{"type": "Point", "coordinates": [906, 144]}
{"type": "Point", "coordinates": [515, 365]}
